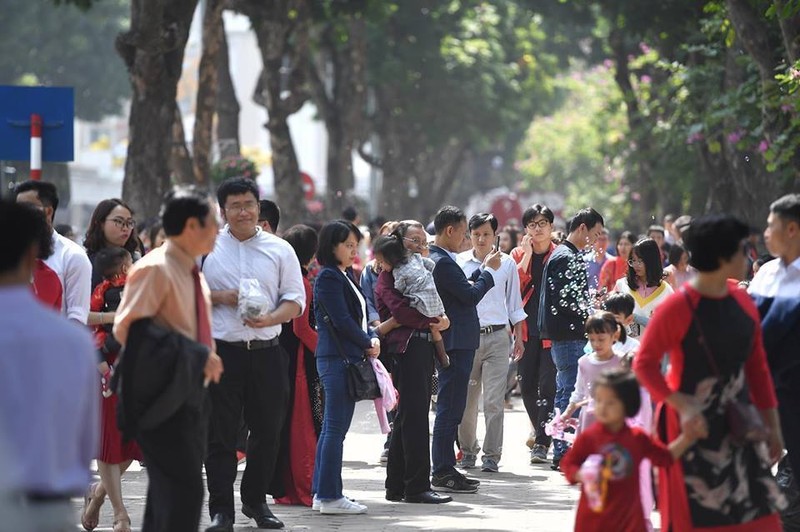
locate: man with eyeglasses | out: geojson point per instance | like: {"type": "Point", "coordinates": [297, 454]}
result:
{"type": "Point", "coordinates": [564, 306]}
{"type": "Point", "coordinates": [536, 371]}
{"type": "Point", "coordinates": [69, 260]}
{"type": "Point", "coordinates": [246, 325]}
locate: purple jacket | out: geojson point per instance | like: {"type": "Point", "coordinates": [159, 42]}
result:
{"type": "Point", "coordinates": [391, 303]}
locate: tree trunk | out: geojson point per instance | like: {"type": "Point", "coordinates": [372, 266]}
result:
{"type": "Point", "coordinates": [180, 160]}
{"type": "Point", "coordinates": [153, 54]}
{"type": "Point", "coordinates": [790, 31]}
{"type": "Point", "coordinates": [283, 42]}
{"type": "Point", "coordinates": [207, 91]}
{"type": "Point", "coordinates": [638, 127]}
{"type": "Point", "coordinates": [338, 85]}
{"type": "Point", "coordinates": [227, 105]}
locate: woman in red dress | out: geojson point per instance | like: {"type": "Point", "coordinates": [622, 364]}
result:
{"type": "Point", "coordinates": [292, 485]}
{"type": "Point", "coordinates": [112, 245]}
{"type": "Point", "coordinates": [712, 333]}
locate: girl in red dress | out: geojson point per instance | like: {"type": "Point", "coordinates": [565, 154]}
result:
{"type": "Point", "coordinates": [617, 449]}
{"type": "Point", "coordinates": [115, 455]}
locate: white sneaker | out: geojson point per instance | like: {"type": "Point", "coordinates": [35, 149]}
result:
{"type": "Point", "coordinates": [315, 504]}
{"type": "Point", "coordinates": [341, 506]}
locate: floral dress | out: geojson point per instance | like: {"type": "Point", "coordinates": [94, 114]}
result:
{"type": "Point", "coordinates": [718, 484]}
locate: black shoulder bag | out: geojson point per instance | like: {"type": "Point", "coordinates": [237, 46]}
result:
{"type": "Point", "coordinates": [362, 384]}
{"type": "Point", "coordinates": [744, 420]}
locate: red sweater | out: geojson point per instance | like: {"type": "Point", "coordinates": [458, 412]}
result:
{"type": "Point", "coordinates": [622, 511]}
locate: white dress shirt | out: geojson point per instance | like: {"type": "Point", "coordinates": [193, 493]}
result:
{"type": "Point", "coordinates": [74, 268]}
{"type": "Point", "coordinates": [264, 257]}
{"type": "Point", "coordinates": [361, 300]}
{"type": "Point", "coordinates": [503, 302]}
{"type": "Point", "coordinates": [49, 398]}
{"type": "Point", "coordinates": [777, 279]}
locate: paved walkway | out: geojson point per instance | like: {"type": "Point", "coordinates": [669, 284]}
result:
{"type": "Point", "coordinates": [520, 496]}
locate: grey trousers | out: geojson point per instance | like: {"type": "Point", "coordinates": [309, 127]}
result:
{"type": "Point", "coordinates": [489, 372]}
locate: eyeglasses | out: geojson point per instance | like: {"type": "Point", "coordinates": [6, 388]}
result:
{"type": "Point", "coordinates": [121, 223]}
{"type": "Point", "coordinates": [635, 262]}
{"type": "Point", "coordinates": [541, 224]}
{"type": "Point", "coordinates": [416, 241]}
{"type": "Point", "coordinates": [249, 206]}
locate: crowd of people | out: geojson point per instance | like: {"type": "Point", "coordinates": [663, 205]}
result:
{"type": "Point", "coordinates": [212, 337]}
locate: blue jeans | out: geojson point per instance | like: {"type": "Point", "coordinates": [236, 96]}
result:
{"type": "Point", "coordinates": [327, 482]}
{"type": "Point", "coordinates": [565, 357]}
{"type": "Point", "coordinates": [450, 404]}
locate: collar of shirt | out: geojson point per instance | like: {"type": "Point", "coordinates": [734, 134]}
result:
{"type": "Point", "coordinates": [776, 278]}
{"type": "Point", "coordinates": [503, 302]}
{"type": "Point", "coordinates": [177, 252]}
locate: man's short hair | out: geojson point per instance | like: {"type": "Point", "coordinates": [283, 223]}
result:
{"type": "Point", "coordinates": [180, 204]}
{"type": "Point", "coordinates": [535, 210]}
{"type": "Point", "coordinates": [712, 238]}
{"type": "Point", "coordinates": [588, 217]}
{"type": "Point", "coordinates": [656, 229]}
{"type": "Point", "coordinates": [447, 216]}
{"type": "Point", "coordinates": [234, 186]}
{"type": "Point", "coordinates": [47, 192]}
{"type": "Point", "coordinates": [269, 212]}
{"type": "Point", "coordinates": [350, 214]}
{"type": "Point", "coordinates": [477, 220]}
{"type": "Point", "coordinates": [787, 207]}
{"type": "Point", "coordinates": [24, 227]}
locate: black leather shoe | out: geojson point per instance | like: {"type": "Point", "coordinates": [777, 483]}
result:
{"type": "Point", "coordinates": [428, 497]}
{"type": "Point", "coordinates": [221, 523]}
{"type": "Point", "coordinates": [394, 496]}
{"type": "Point", "coordinates": [262, 515]}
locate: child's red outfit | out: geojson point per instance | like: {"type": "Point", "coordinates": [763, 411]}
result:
{"type": "Point", "coordinates": [105, 298]}
{"type": "Point", "coordinates": [47, 285]}
{"type": "Point", "coordinates": [624, 450]}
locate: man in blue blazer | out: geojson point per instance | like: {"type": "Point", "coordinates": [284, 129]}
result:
{"type": "Point", "coordinates": [460, 297]}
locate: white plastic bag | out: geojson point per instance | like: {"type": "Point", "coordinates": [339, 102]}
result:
{"type": "Point", "coordinates": [253, 302]}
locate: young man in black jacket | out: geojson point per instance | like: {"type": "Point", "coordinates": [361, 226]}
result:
{"type": "Point", "coordinates": [565, 304]}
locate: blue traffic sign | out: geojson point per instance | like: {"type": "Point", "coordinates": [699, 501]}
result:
{"type": "Point", "coordinates": [56, 106]}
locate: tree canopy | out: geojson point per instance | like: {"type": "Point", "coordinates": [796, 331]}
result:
{"type": "Point", "coordinates": [67, 45]}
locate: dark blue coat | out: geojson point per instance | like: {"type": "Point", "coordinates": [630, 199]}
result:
{"type": "Point", "coordinates": [460, 300]}
{"type": "Point", "coordinates": [332, 290]}
{"type": "Point", "coordinates": [780, 322]}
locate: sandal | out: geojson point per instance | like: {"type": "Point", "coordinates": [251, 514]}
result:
{"type": "Point", "coordinates": [122, 525]}
{"type": "Point", "coordinates": [90, 522]}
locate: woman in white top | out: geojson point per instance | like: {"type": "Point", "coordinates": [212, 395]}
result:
{"type": "Point", "coordinates": [644, 282]}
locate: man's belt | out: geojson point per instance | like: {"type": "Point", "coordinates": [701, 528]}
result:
{"type": "Point", "coordinates": [35, 497]}
{"type": "Point", "coordinates": [252, 345]}
{"type": "Point", "coordinates": [489, 329]}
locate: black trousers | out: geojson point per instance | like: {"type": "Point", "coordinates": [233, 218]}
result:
{"type": "Point", "coordinates": [174, 454]}
{"type": "Point", "coordinates": [537, 380]}
{"type": "Point", "coordinates": [255, 383]}
{"type": "Point", "coordinates": [409, 468]}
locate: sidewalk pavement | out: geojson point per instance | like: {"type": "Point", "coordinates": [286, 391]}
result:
{"type": "Point", "coordinates": [521, 496]}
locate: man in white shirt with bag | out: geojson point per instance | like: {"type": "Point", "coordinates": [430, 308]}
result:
{"type": "Point", "coordinates": [256, 285]}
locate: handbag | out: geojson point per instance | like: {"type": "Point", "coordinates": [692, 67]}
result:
{"type": "Point", "coordinates": [362, 384]}
{"type": "Point", "coordinates": [744, 420]}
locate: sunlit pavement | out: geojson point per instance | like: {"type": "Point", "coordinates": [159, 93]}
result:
{"type": "Point", "coordinates": [520, 497]}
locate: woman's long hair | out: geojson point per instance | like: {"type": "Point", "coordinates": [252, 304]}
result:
{"type": "Point", "coordinates": [647, 250]}
{"type": "Point", "coordinates": [95, 239]}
